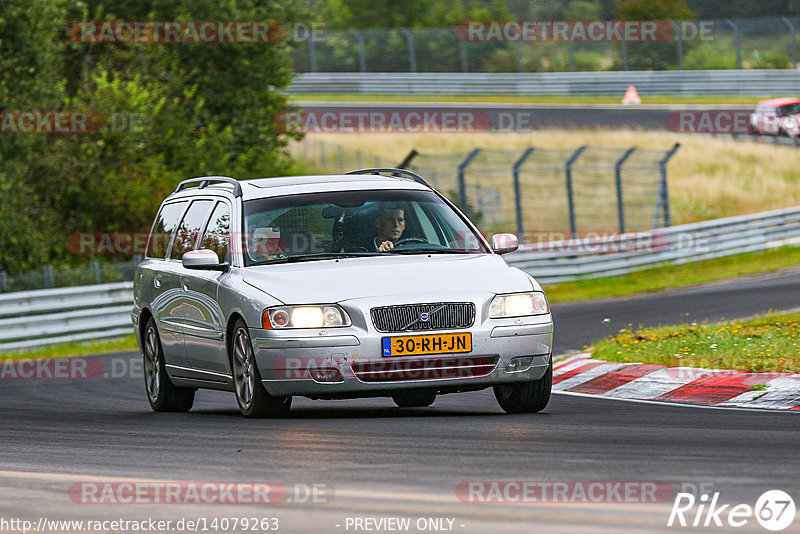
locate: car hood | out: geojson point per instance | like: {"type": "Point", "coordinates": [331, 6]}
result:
{"type": "Point", "coordinates": [329, 281]}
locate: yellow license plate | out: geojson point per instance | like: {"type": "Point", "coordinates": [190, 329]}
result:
{"type": "Point", "coordinates": [427, 344]}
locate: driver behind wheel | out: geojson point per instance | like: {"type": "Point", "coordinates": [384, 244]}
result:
{"type": "Point", "coordinates": [390, 223]}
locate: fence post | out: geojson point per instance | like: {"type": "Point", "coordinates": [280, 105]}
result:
{"type": "Point", "coordinates": [412, 56]}
{"type": "Point", "coordinates": [662, 165]}
{"type": "Point", "coordinates": [737, 42]}
{"type": "Point", "coordinates": [662, 202]}
{"type": "Point", "coordinates": [571, 56]}
{"type": "Point", "coordinates": [407, 160]}
{"type": "Point", "coordinates": [518, 192]}
{"type": "Point", "coordinates": [312, 53]}
{"type": "Point", "coordinates": [464, 59]}
{"type": "Point", "coordinates": [462, 184]}
{"type": "Point", "coordinates": [679, 37]}
{"type": "Point", "coordinates": [618, 176]}
{"type": "Point", "coordinates": [362, 55]}
{"type": "Point", "coordinates": [98, 275]}
{"type": "Point", "coordinates": [47, 274]}
{"type": "Point", "coordinates": [340, 151]}
{"type": "Point", "coordinates": [794, 40]}
{"type": "Point", "coordinates": [624, 54]}
{"type": "Point", "coordinates": [2, 281]}
{"type": "Point", "coordinates": [570, 198]}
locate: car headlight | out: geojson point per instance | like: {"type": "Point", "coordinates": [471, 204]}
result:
{"type": "Point", "coordinates": [518, 305]}
{"type": "Point", "coordinates": [329, 316]}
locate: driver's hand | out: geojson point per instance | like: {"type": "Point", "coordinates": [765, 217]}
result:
{"type": "Point", "coordinates": [386, 246]}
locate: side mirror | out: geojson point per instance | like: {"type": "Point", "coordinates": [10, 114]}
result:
{"type": "Point", "coordinates": [504, 243]}
{"type": "Point", "coordinates": [203, 259]}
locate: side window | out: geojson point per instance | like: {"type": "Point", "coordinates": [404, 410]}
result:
{"type": "Point", "coordinates": [217, 236]}
{"type": "Point", "coordinates": [166, 222]}
{"type": "Point", "coordinates": [189, 229]}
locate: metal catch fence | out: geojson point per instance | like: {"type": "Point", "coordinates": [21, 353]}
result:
{"type": "Point", "coordinates": [570, 190]}
{"type": "Point", "coordinates": [757, 43]}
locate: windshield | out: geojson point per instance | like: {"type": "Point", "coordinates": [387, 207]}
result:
{"type": "Point", "coordinates": [789, 109]}
{"type": "Point", "coordinates": [353, 223]}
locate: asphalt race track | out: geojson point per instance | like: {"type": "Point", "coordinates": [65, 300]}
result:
{"type": "Point", "coordinates": [378, 461]}
{"type": "Point", "coordinates": [501, 117]}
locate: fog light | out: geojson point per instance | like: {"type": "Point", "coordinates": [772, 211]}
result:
{"type": "Point", "coordinates": [517, 365]}
{"type": "Point", "coordinates": [326, 375]}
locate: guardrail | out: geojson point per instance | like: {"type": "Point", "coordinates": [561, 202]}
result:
{"type": "Point", "coordinates": [594, 257]}
{"type": "Point", "coordinates": [36, 318]}
{"type": "Point", "coordinates": [688, 82]}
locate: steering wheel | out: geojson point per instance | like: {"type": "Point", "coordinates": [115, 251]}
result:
{"type": "Point", "coordinates": [401, 242]}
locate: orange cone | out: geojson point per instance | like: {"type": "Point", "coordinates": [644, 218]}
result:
{"type": "Point", "coordinates": [631, 96]}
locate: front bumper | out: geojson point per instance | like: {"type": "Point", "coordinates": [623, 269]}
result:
{"type": "Point", "coordinates": [286, 360]}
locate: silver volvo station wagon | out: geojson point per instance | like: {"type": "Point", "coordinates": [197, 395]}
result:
{"type": "Point", "coordinates": [367, 284]}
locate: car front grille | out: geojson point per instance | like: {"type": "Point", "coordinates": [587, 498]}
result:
{"type": "Point", "coordinates": [410, 318]}
{"type": "Point", "coordinates": [439, 368]}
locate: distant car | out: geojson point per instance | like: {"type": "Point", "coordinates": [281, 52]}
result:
{"type": "Point", "coordinates": [276, 287]}
{"type": "Point", "coordinates": [777, 116]}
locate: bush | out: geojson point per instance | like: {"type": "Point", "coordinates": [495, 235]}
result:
{"type": "Point", "coordinates": [770, 60]}
{"type": "Point", "coordinates": [706, 56]}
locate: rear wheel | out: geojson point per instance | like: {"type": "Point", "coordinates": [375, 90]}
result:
{"type": "Point", "coordinates": [414, 399]}
{"type": "Point", "coordinates": [526, 397]}
{"type": "Point", "coordinates": [164, 396]}
{"type": "Point", "coordinates": [253, 399]}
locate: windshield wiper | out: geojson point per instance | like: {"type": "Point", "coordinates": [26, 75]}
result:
{"type": "Point", "coordinates": [317, 256]}
{"type": "Point", "coordinates": [431, 250]}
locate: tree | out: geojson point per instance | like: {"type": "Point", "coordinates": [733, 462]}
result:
{"type": "Point", "coordinates": [198, 109]}
{"type": "Point", "coordinates": [653, 56]}
{"type": "Point", "coordinates": [29, 79]}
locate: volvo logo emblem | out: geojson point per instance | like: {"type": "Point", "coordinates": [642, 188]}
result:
{"type": "Point", "coordinates": [424, 317]}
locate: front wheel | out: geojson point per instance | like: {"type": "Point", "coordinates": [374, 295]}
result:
{"type": "Point", "coordinates": [164, 396]}
{"type": "Point", "coordinates": [526, 397]}
{"type": "Point", "coordinates": [254, 401]}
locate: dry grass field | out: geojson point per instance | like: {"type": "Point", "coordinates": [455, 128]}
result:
{"type": "Point", "coordinates": [708, 177]}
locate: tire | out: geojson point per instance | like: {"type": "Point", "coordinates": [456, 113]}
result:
{"type": "Point", "coordinates": [414, 399]}
{"type": "Point", "coordinates": [163, 395]}
{"type": "Point", "coordinates": [526, 397]}
{"type": "Point", "coordinates": [254, 401]}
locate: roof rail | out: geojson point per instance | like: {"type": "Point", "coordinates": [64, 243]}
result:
{"type": "Point", "coordinates": [205, 181]}
{"type": "Point", "coordinates": [403, 172]}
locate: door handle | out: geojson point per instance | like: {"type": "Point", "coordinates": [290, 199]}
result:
{"type": "Point", "coordinates": [156, 281]}
{"type": "Point", "coordinates": [185, 286]}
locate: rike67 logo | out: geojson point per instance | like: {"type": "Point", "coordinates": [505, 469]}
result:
{"type": "Point", "coordinates": [774, 510]}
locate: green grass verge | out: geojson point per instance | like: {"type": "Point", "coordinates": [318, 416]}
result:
{"type": "Point", "coordinates": [529, 99]}
{"type": "Point", "coordinates": [769, 343]}
{"type": "Point", "coordinates": [672, 276]}
{"type": "Point", "coordinates": [84, 348]}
